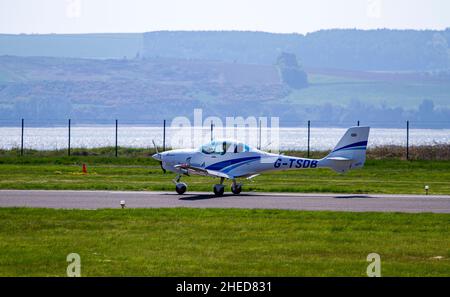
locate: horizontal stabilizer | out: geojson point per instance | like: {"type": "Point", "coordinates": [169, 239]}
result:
{"type": "Point", "coordinates": [252, 176]}
{"type": "Point", "coordinates": [339, 159]}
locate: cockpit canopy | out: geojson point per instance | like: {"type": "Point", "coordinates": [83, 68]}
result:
{"type": "Point", "coordinates": [221, 147]}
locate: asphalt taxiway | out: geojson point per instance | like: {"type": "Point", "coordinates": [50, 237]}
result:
{"type": "Point", "coordinates": [252, 200]}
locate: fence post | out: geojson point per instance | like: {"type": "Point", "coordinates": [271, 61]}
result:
{"type": "Point", "coordinates": [21, 140]}
{"type": "Point", "coordinates": [117, 124]}
{"type": "Point", "coordinates": [309, 134]}
{"type": "Point", "coordinates": [68, 141]}
{"type": "Point", "coordinates": [259, 137]}
{"type": "Point", "coordinates": [212, 131]}
{"type": "Point", "coordinates": [407, 140]}
{"type": "Point", "coordinates": [164, 135]}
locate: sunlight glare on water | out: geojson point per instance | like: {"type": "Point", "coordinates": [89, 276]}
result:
{"type": "Point", "coordinates": [49, 138]}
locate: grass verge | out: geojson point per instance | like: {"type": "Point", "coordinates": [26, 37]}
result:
{"type": "Point", "coordinates": [218, 242]}
{"type": "Point", "coordinates": [378, 176]}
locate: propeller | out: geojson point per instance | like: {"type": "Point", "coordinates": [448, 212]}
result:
{"type": "Point", "coordinates": [159, 157]}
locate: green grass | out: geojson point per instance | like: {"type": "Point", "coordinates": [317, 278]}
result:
{"type": "Point", "coordinates": [218, 242]}
{"type": "Point", "coordinates": [138, 172]}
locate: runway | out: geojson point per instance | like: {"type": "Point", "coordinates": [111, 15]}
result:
{"type": "Point", "coordinates": [294, 201]}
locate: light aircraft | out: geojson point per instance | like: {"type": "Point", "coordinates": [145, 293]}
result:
{"type": "Point", "coordinates": [231, 160]}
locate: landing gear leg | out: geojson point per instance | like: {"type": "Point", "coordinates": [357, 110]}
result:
{"type": "Point", "coordinates": [177, 179]}
{"type": "Point", "coordinates": [219, 189]}
{"type": "Point", "coordinates": [179, 187]}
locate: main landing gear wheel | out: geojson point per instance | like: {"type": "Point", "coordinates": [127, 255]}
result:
{"type": "Point", "coordinates": [180, 188]}
{"type": "Point", "coordinates": [219, 190]}
{"type": "Point", "coordinates": [236, 189]}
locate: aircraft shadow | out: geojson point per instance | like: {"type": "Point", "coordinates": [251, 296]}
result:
{"type": "Point", "coordinates": [353, 196]}
{"type": "Point", "coordinates": [212, 196]}
{"type": "Point", "coordinates": [207, 196]}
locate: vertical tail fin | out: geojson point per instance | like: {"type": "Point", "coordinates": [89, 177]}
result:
{"type": "Point", "coordinates": [350, 152]}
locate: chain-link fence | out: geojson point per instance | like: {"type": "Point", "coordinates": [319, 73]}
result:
{"type": "Point", "coordinates": [307, 136]}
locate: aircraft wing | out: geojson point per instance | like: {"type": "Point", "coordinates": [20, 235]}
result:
{"type": "Point", "coordinates": [203, 171]}
{"type": "Point", "coordinates": [219, 174]}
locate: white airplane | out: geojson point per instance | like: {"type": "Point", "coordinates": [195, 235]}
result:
{"type": "Point", "coordinates": [231, 160]}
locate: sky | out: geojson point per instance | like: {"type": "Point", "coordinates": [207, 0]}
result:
{"type": "Point", "coordinates": [278, 16]}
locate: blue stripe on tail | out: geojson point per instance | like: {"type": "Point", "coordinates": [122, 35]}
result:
{"type": "Point", "coordinates": [361, 143]}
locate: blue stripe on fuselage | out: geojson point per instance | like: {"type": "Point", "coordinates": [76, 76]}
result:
{"type": "Point", "coordinates": [231, 167]}
{"type": "Point", "coordinates": [220, 165]}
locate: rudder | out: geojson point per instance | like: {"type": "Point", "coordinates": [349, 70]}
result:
{"type": "Point", "coordinates": [350, 152]}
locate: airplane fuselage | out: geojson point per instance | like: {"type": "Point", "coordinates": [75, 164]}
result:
{"type": "Point", "coordinates": [241, 164]}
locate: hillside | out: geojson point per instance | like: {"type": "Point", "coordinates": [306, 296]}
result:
{"type": "Point", "coordinates": [374, 50]}
{"type": "Point", "coordinates": [99, 46]}
{"type": "Point", "coordinates": [351, 49]}
{"type": "Point", "coordinates": [333, 77]}
{"type": "Point", "coordinates": [44, 90]}
{"type": "Point", "coordinates": [53, 88]}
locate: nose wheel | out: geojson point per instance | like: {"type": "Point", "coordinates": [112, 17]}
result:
{"type": "Point", "coordinates": [180, 188]}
